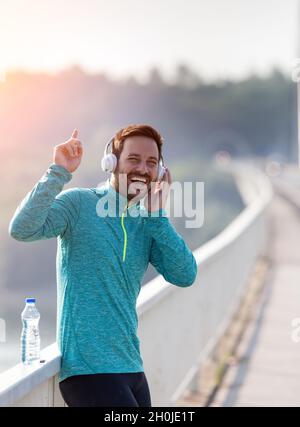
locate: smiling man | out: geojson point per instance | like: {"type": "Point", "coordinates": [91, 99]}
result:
{"type": "Point", "coordinates": [137, 167]}
{"type": "Point", "coordinates": [101, 262]}
{"type": "Point", "coordinates": [138, 161]}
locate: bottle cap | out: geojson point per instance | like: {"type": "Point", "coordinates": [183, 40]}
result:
{"type": "Point", "coordinates": [30, 300]}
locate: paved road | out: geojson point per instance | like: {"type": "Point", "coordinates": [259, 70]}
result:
{"type": "Point", "coordinates": [268, 368]}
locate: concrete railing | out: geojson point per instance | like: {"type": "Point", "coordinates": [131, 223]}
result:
{"type": "Point", "coordinates": [178, 327]}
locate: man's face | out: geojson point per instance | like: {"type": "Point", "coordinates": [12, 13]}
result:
{"type": "Point", "coordinates": [139, 159]}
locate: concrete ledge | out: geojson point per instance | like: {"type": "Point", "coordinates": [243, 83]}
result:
{"type": "Point", "coordinates": [20, 380]}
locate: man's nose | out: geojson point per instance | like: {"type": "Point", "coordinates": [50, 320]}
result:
{"type": "Point", "coordinates": [142, 168]}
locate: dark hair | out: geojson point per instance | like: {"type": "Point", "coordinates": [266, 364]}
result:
{"type": "Point", "coordinates": [136, 130]}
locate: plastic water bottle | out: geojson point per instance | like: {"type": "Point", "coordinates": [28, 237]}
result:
{"type": "Point", "coordinates": [30, 338]}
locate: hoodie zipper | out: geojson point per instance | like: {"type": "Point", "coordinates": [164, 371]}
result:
{"type": "Point", "coordinates": [125, 234]}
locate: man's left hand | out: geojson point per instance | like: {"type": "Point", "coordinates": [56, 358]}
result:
{"type": "Point", "coordinates": [158, 193]}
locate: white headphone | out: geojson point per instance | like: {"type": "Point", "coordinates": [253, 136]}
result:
{"type": "Point", "coordinates": [109, 161]}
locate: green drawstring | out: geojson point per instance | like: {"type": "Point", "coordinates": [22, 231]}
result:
{"type": "Point", "coordinates": [125, 234]}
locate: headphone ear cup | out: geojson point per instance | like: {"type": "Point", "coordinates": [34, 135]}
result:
{"type": "Point", "coordinates": [109, 163]}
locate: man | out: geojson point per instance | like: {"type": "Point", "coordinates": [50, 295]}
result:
{"type": "Point", "coordinates": [101, 261]}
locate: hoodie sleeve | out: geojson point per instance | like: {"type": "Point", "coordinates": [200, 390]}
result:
{"type": "Point", "coordinates": [46, 211]}
{"type": "Point", "coordinates": [169, 253]}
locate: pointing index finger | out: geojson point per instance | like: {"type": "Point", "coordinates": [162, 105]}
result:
{"type": "Point", "coordinates": [75, 133]}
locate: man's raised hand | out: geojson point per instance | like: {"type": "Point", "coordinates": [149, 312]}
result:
{"type": "Point", "coordinates": [69, 153]}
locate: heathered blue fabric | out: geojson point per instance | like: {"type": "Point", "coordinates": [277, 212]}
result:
{"type": "Point", "coordinates": [96, 290]}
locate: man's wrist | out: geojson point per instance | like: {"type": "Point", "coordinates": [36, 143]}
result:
{"type": "Point", "coordinates": [61, 171]}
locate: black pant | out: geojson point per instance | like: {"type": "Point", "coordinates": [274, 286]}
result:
{"type": "Point", "coordinates": [126, 389]}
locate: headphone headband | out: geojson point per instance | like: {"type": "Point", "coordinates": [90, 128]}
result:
{"type": "Point", "coordinates": [110, 143]}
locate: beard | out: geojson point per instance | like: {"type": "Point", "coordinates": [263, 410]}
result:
{"type": "Point", "coordinates": [130, 188]}
{"type": "Point", "coordinates": [137, 189]}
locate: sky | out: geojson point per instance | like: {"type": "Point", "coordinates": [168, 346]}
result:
{"type": "Point", "coordinates": [218, 39]}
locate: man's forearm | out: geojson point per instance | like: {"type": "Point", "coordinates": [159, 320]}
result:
{"type": "Point", "coordinates": [169, 254]}
{"type": "Point", "coordinates": [31, 214]}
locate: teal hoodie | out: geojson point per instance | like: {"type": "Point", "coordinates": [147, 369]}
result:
{"type": "Point", "coordinates": [100, 263]}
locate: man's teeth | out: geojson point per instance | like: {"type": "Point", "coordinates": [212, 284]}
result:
{"type": "Point", "coordinates": [135, 178]}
